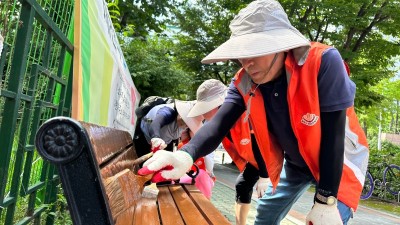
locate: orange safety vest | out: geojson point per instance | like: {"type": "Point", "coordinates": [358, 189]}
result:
{"type": "Point", "coordinates": [240, 148]}
{"type": "Point", "coordinates": [304, 112]}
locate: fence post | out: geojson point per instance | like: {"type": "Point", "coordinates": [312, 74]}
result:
{"type": "Point", "coordinates": [386, 184]}
{"type": "Point", "coordinates": [398, 197]}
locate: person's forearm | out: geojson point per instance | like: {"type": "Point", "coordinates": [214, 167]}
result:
{"type": "Point", "coordinates": [332, 151]}
{"type": "Point", "coordinates": [164, 116]}
{"type": "Point", "coordinates": [155, 127]}
{"type": "Point", "coordinates": [211, 134]}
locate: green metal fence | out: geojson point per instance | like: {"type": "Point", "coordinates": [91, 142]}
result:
{"type": "Point", "coordinates": [36, 76]}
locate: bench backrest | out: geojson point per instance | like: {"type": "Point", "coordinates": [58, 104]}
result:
{"type": "Point", "coordinates": [82, 153]}
{"type": "Point", "coordinates": [101, 192]}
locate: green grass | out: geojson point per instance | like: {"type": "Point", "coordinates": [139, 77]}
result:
{"type": "Point", "coordinates": [380, 205]}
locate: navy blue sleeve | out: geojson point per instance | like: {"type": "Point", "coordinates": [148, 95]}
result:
{"type": "Point", "coordinates": [332, 151]}
{"type": "Point", "coordinates": [211, 133]}
{"type": "Point", "coordinates": [336, 90]}
{"type": "Point", "coordinates": [234, 96]}
{"type": "Point", "coordinates": [336, 93]}
{"type": "Point", "coordinates": [164, 116]}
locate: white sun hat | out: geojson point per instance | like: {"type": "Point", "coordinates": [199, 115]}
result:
{"type": "Point", "coordinates": [210, 94]}
{"type": "Point", "coordinates": [183, 108]}
{"type": "Point", "coordinates": [262, 28]}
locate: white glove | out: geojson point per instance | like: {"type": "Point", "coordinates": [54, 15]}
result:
{"type": "Point", "coordinates": [167, 165]}
{"type": "Point", "coordinates": [324, 214]}
{"type": "Point", "coordinates": [157, 144]}
{"type": "Point", "coordinates": [262, 185]}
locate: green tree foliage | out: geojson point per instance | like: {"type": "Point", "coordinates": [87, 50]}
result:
{"type": "Point", "coordinates": [153, 68]}
{"type": "Point", "coordinates": [390, 153]}
{"type": "Point", "coordinates": [204, 26]}
{"type": "Point", "coordinates": [136, 18]}
{"type": "Point", "coordinates": [366, 32]}
{"type": "Point", "coordinates": [113, 10]}
{"type": "Point", "coordinates": [9, 18]}
{"type": "Point", "coordinates": [386, 112]}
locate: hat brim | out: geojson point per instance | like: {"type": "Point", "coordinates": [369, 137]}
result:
{"type": "Point", "coordinates": [183, 108]}
{"type": "Point", "coordinates": [257, 44]}
{"type": "Point", "coordinates": [202, 107]}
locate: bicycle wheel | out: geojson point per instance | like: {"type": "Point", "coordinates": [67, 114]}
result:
{"type": "Point", "coordinates": [391, 177]}
{"type": "Point", "coordinates": [368, 187]}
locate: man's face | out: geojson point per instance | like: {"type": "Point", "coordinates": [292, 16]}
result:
{"type": "Point", "coordinates": [259, 67]}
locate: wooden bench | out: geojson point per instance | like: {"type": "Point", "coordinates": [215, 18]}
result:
{"type": "Point", "coordinates": [86, 154]}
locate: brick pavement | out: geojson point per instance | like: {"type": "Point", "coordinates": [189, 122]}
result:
{"type": "Point", "coordinates": [223, 198]}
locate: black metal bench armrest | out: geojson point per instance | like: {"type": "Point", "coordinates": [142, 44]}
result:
{"type": "Point", "coordinates": [65, 143]}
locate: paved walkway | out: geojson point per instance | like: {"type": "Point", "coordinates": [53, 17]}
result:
{"type": "Point", "coordinates": [223, 198]}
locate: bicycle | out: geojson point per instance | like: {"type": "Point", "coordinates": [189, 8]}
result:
{"type": "Point", "coordinates": [391, 181]}
{"type": "Point", "coordinates": [368, 187]}
{"type": "Point", "coordinates": [391, 176]}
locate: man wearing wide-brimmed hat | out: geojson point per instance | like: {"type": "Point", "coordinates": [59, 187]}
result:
{"type": "Point", "coordinates": [298, 99]}
{"type": "Point", "coordinates": [210, 96]}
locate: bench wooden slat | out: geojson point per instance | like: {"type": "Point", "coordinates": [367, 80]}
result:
{"type": "Point", "coordinates": [188, 209]}
{"type": "Point", "coordinates": [109, 169]}
{"type": "Point", "coordinates": [124, 190]}
{"type": "Point", "coordinates": [212, 213]}
{"type": "Point", "coordinates": [106, 141]}
{"type": "Point", "coordinates": [169, 212]}
{"type": "Point", "coordinates": [126, 218]}
{"type": "Point", "coordinates": [146, 212]}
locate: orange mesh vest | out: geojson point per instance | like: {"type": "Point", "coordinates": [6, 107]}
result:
{"type": "Point", "coordinates": [240, 149]}
{"type": "Point", "coordinates": [304, 112]}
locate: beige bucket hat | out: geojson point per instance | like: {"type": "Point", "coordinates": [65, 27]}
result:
{"type": "Point", "coordinates": [183, 108]}
{"type": "Point", "coordinates": [210, 94]}
{"type": "Point", "coordinates": [262, 28]}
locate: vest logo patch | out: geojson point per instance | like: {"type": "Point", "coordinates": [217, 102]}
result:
{"type": "Point", "coordinates": [244, 141]}
{"type": "Point", "coordinates": [309, 119]}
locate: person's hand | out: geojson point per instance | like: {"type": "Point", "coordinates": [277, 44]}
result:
{"type": "Point", "coordinates": [157, 144]}
{"type": "Point", "coordinates": [262, 185]}
{"type": "Point", "coordinates": [167, 165]}
{"type": "Point", "coordinates": [324, 214]}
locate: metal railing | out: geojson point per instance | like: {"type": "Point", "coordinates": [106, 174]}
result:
{"type": "Point", "coordinates": [36, 77]}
